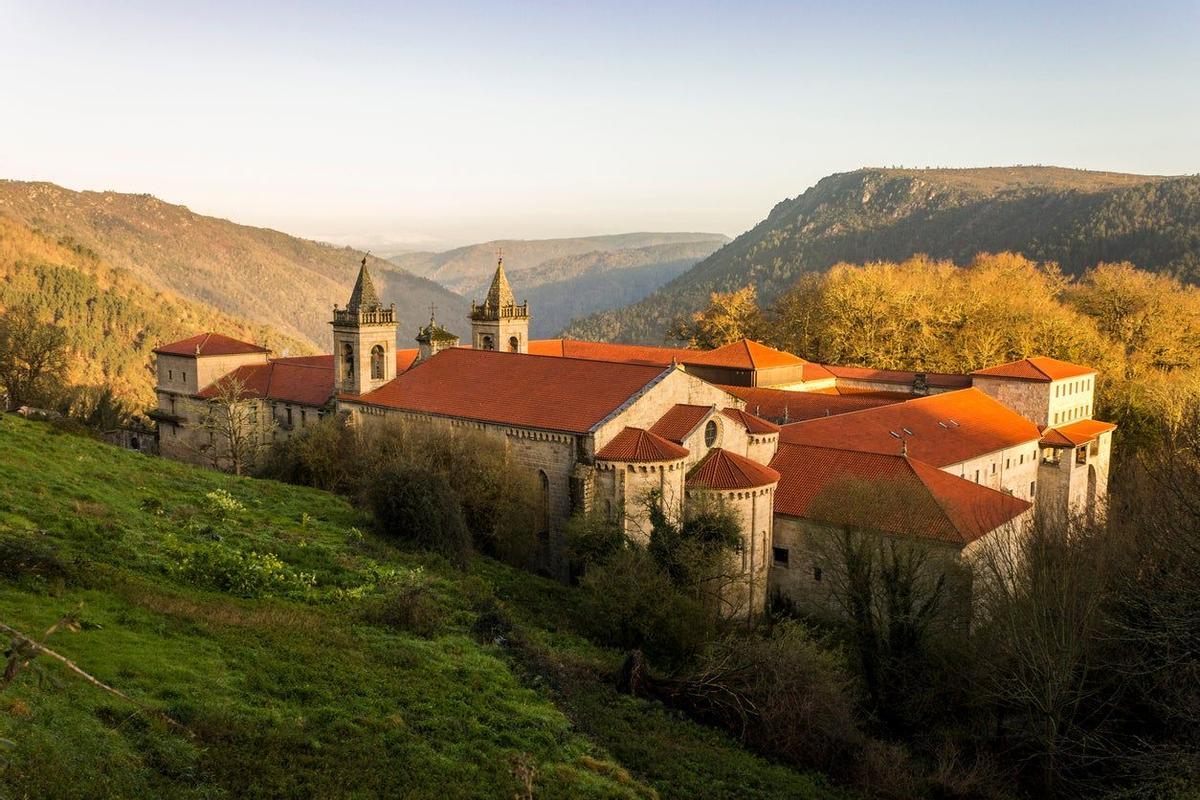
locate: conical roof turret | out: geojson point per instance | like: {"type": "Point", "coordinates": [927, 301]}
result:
{"type": "Point", "coordinates": [364, 298]}
{"type": "Point", "coordinates": [500, 294]}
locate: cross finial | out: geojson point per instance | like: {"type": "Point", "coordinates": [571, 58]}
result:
{"type": "Point", "coordinates": [499, 255]}
{"type": "Point", "coordinates": [432, 312]}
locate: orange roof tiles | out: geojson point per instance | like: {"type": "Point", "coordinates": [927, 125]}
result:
{"type": "Point", "coordinates": [560, 394]}
{"type": "Point", "coordinates": [782, 404]}
{"type": "Point", "coordinates": [303, 384]}
{"type": "Point", "coordinates": [887, 493]}
{"type": "Point", "coordinates": [679, 421]}
{"type": "Point", "coordinates": [607, 351]}
{"type": "Point", "coordinates": [639, 445]}
{"type": "Point", "coordinates": [1077, 433]}
{"type": "Point", "coordinates": [746, 354]}
{"type": "Point", "coordinates": [940, 429]}
{"type": "Point", "coordinates": [209, 344]}
{"type": "Point", "coordinates": [721, 469]}
{"type": "Point", "coordinates": [1035, 368]}
{"type": "Point", "coordinates": [750, 422]}
{"type": "Point", "coordinates": [938, 380]}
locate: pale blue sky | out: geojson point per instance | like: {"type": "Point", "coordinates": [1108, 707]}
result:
{"type": "Point", "coordinates": [453, 122]}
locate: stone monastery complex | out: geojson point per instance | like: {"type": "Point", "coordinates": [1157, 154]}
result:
{"type": "Point", "coordinates": [795, 447]}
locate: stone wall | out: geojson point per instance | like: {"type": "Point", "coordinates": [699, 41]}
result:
{"type": "Point", "coordinates": [1014, 470]}
{"type": "Point", "coordinates": [622, 489]}
{"type": "Point", "coordinates": [755, 508]}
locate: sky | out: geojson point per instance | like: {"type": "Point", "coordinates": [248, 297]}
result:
{"type": "Point", "coordinates": [434, 124]}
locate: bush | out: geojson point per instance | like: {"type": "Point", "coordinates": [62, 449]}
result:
{"type": "Point", "coordinates": [410, 607]}
{"type": "Point", "coordinates": [420, 507]}
{"type": "Point", "coordinates": [245, 574]}
{"type": "Point", "coordinates": [220, 504]}
{"type": "Point", "coordinates": [629, 602]}
{"type": "Point", "coordinates": [28, 555]}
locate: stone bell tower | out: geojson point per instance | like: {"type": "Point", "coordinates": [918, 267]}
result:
{"type": "Point", "coordinates": [499, 323]}
{"type": "Point", "coordinates": [364, 339]}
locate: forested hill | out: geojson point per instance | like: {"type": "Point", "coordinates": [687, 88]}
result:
{"type": "Point", "coordinates": [261, 275]}
{"type": "Point", "coordinates": [1074, 217]}
{"type": "Point", "coordinates": [464, 268]}
{"type": "Point", "coordinates": [111, 319]}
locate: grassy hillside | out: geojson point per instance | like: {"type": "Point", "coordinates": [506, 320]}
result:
{"type": "Point", "coordinates": [464, 269]}
{"type": "Point", "coordinates": [296, 674]}
{"type": "Point", "coordinates": [260, 275]}
{"type": "Point", "coordinates": [1074, 217]}
{"type": "Point", "coordinates": [112, 319]}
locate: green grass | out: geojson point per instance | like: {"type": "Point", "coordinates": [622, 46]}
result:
{"type": "Point", "coordinates": [292, 693]}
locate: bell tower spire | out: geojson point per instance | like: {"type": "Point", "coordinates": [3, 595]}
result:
{"type": "Point", "coordinates": [364, 339]}
{"type": "Point", "coordinates": [499, 323]}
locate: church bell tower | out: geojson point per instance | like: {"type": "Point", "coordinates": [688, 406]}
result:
{"type": "Point", "coordinates": [499, 323]}
{"type": "Point", "coordinates": [364, 339]}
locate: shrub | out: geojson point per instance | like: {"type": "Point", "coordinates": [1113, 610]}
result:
{"type": "Point", "coordinates": [422, 508]}
{"type": "Point", "coordinates": [410, 607]}
{"type": "Point", "coordinates": [241, 573]}
{"type": "Point", "coordinates": [28, 555]}
{"type": "Point", "coordinates": [221, 504]}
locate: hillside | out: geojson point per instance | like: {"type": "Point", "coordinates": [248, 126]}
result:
{"type": "Point", "coordinates": [269, 621]}
{"type": "Point", "coordinates": [260, 275]}
{"type": "Point", "coordinates": [464, 269]}
{"type": "Point", "coordinates": [112, 320]}
{"type": "Point", "coordinates": [1074, 217]}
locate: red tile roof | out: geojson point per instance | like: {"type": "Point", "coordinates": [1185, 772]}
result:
{"type": "Point", "coordinates": [940, 429]}
{"type": "Point", "coordinates": [1036, 368]}
{"type": "Point", "coordinates": [560, 394]}
{"type": "Point", "coordinates": [404, 360]}
{"type": "Point", "coordinates": [938, 380]}
{"type": "Point", "coordinates": [209, 344]}
{"type": "Point", "coordinates": [1074, 434]}
{"type": "Point", "coordinates": [639, 445]}
{"type": "Point", "coordinates": [679, 421]}
{"type": "Point", "coordinates": [888, 493]}
{"type": "Point", "coordinates": [781, 404]}
{"type": "Point", "coordinates": [750, 422]}
{"type": "Point", "coordinates": [721, 469]}
{"type": "Point", "coordinates": [748, 354]}
{"type": "Point", "coordinates": [607, 351]}
{"type": "Point", "coordinates": [283, 380]}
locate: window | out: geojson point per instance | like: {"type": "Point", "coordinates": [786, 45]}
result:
{"type": "Point", "coordinates": [993, 467]}
{"type": "Point", "coordinates": [254, 414]}
{"type": "Point", "coordinates": [1032, 488]}
{"type": "Point", "coordinates": [710, 433]}
{"type": "Point", "coordinates": [817, 574]}
{"type": "Point", "coordinates": [780, 554]}
{"type": "Point", "coordinates": [1008, 463]}
{"type": "Point", "coordinates": [514, 344]}
{"type": "Point", "coordinates": [376, 363]}
{"type": "Point", "coordinates": [1081, 455]}
{"type": "Point", "coordinates": [1022, 459]}
{"type": "Point", "coordinates": [303, 418]}
{"type": "Point", "coordinates": [977, 476]}
{"type": "Point", "coordinates": [347, 361]}
{"type": "Point", "coordinates": [184, 376]}
{"type": "Point", "coordinates": [289, 416]}
{"type": "Point", "coordinates": [170, 374]}
{"type": "Point", "coordinates": [486, 343]}
{"type": "Point", "coordinates": [544, 504]}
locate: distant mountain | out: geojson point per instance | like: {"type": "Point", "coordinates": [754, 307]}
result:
{"type": "Point", "coordinates": [112, 318]}
{"type": "Point", "coordinates": [1074, 217]}
{"type": "Point", "coordinates": [257, 274]}
{"type": "Point", "coordinates": [561, 289]}
{"type": "Point", "coordinates": [463, 269]}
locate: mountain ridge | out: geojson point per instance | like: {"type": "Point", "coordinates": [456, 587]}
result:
{"type": "Point", "coordinates": [1075, 217]}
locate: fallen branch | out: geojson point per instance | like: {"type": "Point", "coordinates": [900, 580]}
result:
{"type": "Point", "coordinates": [23, 649]}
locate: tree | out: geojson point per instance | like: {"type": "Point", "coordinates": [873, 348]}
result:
{"type": "Point", "coordinates": [31, 353]}
{"type": "Point", "coordinates": [730, 316]}
{"type": "Point", "coordinates": [236, 429]}
{"type": "Point", "coordinates": [421, 507]}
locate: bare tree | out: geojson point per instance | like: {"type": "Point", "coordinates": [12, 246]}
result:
{"type": "Point", "coordinates": [30, 352]}
{"type": "Point", "coordinates": [238, 425]}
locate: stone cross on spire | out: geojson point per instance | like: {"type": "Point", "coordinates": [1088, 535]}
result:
{"type": "Point", "coordinates": [364, 297]}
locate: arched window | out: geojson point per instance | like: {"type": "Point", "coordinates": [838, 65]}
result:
{"type": "Point", "coordinates": [377, 362]}
{"type": "Point", "coordinates": [347, 360]}
{"type": "Point", "coordinates": [710, 433]}
{"type": "Point", "coordinates": [486, 343]}
{"type": "Point", "coordinates": [514, 344]}
{"type": "Point", "coordinates": [544, 505]}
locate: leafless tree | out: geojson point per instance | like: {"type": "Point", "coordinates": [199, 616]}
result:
{"type": "Point", "coordinates": [30, 352]}
{"type": "Point", "coordinates": [238, 424]}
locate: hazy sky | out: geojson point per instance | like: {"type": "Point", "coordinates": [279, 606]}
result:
{"type": "Point", "coordinates": [449, 122]}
